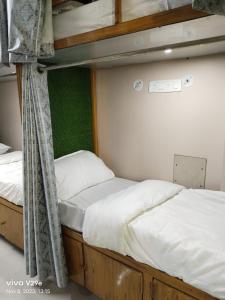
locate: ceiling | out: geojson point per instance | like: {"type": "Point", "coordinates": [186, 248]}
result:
{"type": "Point", "coordinates": [160, 55]}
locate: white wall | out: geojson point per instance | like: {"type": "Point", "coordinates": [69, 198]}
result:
{"type": "Point", "coordinates": [10, 122]}
{"type": "Point", "coordinates": [139, 133]}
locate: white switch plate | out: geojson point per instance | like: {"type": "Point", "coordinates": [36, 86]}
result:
{"type": "Point", "coordinates": [188, 80]}
{"type": "Point", "coordinates": [165, 86]}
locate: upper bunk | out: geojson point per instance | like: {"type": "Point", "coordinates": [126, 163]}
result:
{"type": "Point", "coordinates": [85, 21]}
{"type": "Point", "coordinates": [188, 32]}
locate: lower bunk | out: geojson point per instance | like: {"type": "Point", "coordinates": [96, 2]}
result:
{"type": "Point", "coordinates": [105, 273]}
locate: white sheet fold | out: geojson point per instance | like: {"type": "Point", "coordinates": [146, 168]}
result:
{"type": "Point", "coordinates": [185, 238]}
{"type": "Point", "coordinates": [105, 223]}
{"type": "Point", "coordinates": [168, 227]}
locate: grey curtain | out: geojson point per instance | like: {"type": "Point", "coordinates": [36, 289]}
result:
{"type": "Point", "coordinates": [210, 6]}
{"type": "Point", "coordinates": [25, 30]}
{"type": "Point", "coordinates": [43, 243]}
{"type": "Point", "coordinates": [25, 35]}
{"type": "Point", "coordinates": [4, 55]}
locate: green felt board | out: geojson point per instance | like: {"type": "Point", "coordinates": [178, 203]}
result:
{"type": "Point", "coordinates": [71, 111]}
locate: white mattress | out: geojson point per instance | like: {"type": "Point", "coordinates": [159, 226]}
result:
{"type": "Point", "coordinates": [11, 180]}
{"type": "Point", "coordinates": [133, 9]}
{"type": "Point", "coordinates": [72, 211]}
{"type": "Point", "coordinates": [85, 18]}
{"type": "Point", "coordinates": [184, 237]}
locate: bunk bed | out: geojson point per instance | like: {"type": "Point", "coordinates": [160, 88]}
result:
{"type": "Point", "coordinates": [108, 274]}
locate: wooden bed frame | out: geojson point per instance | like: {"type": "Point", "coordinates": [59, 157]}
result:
{"type": "Point", "coordinates": [107, 274]}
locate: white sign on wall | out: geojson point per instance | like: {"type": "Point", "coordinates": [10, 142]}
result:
{"type": "Point", "coordinates": [165, 86]}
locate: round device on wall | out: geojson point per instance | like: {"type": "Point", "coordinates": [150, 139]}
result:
{"type": "Point", "coordinates": [138, 85]}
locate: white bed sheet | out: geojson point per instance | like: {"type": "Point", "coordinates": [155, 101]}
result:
{"type": "Point", "coordinates": [85, 18]}
{"type": "Point", "coordinates": [184, 237]}
{"type": "Point", "coordinates": [72, 211]}
{"type": "Point", "coordinates": [115, 212]}
{"type": "Point", "coordinates": [176, 230]}
{"type": "Point", "coordinates": [11, 179]}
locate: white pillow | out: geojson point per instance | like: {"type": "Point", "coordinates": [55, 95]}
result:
{"type": "Point", "coordinates": [78, 171]}
{"type": "Point", "coordinates": [4, 148]}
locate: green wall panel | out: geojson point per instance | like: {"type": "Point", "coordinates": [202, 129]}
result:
{"type": "Point", "coordinates": [71, 111]}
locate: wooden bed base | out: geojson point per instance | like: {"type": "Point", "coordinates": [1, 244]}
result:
{"type": "Point", "coordinates": [105, 273]}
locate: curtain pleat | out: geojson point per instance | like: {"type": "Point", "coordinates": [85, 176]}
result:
{"type": "Point", "coordinates": [4, 55]}
{"type": "Point", "coordinates": [26, 34]}
{"type": "Point", "coordinates": [42, 229]}
{"type": "Point", "coordinates": [26, 30]}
